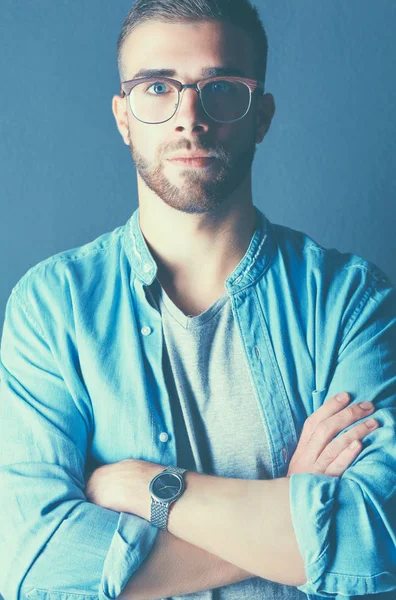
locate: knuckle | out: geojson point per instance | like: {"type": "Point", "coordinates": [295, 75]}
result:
{"type": "Point", "coordinates": [348, 439]}
{"type": "Point", "coordinates": [357, 445]}
{"type": "Point", "coordinates": [350, 412]}
{"type": "Point", "coordinates": [322, 429]}
{"type": "Point", "coordinates": [348, 436]}
{"type": "Point", "coordinates": [309, 421]}
{"type": "Point", "coordinates": [330, 453]}
{"type": "Point", "coordinates": [334, 471]}
{"type": "Point", "coordinates": [316, 469]}
{"type": "Point", "coordinates": [360, 430]}
{"type": "Point", "coordinates": [309, 424]}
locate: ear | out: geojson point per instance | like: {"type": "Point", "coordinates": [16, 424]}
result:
{"type": "Point", "coordinates": [265, 113]}
{"type": "Point", "coordinates": [120, 112]}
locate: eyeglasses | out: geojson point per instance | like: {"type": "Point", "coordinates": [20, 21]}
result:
{"type": "Point", "coordinates": [155, 100]}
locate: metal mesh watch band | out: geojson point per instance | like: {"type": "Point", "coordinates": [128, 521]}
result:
{"type": "Point", "coordinates": [172, 469]}
{"type": "Point", "coordinates": [159, 514]}
{"type": "Point", "coordinates": [160, 510]}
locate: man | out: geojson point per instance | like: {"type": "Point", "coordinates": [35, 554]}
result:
{"type": "Point", "coordinates": [199, 336]}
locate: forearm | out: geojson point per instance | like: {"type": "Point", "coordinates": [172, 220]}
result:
{"type": "Point", "coordinates": [245, 522]}
{"type": "Point", "coordinates": [175, 567]}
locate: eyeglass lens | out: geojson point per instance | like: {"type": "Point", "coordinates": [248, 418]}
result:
{"type": "Point", "coordinates": [156, 101]}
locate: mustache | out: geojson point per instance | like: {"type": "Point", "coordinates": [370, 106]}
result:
{"type": "Point", "coordinates": [216, 150]}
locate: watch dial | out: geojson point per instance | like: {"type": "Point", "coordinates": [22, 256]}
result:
{"type": "Point", "coordinates": [167, 486]}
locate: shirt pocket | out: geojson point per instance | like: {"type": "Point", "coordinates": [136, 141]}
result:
{"type": "Point", "coordinates": [42, 594]}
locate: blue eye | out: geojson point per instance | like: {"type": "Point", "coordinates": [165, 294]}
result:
{"type": "Point", "coordinates": [157, 88]}
{"type": "Point", "coordinates": [220, 87]}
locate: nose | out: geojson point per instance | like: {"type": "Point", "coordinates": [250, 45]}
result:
{"type": "Point", "coordinates": [190, 114]}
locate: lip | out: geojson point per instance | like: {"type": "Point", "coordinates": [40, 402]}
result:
{"type": "Point", "coordinates": [202, 161]}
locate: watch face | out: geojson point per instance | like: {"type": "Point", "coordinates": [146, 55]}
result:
{"type": "Point", "coordinates": [166, 487]}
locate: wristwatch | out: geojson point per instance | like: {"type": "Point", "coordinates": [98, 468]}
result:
{"type": "Point", "coordinates": [165, 488]}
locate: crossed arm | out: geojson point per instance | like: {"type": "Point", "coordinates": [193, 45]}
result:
{"type": "Point", "coordinates": [213, 527]}
{"type": "Point", "coordinates": [175, 567]}
{"type": "Point", "coordinates": [214, 524]}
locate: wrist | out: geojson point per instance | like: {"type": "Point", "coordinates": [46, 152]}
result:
{"type": "Point", "coordinates": [165, 488]}
{"type": "Point", "coordinates": [137, 499]}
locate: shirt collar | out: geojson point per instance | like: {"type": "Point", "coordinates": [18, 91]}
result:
{"type": "Point", "coordinates": [256, 260]}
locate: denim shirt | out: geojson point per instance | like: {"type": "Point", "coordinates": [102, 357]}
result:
{"type": "Point", "coordinates": [82, 385]}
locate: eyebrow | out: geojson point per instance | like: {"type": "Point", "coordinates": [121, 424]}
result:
{"type": "Point", "coordinates": [206, 72]}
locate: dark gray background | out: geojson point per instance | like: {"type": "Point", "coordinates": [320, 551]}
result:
{"type": "Point", "coordinates": [327, 166]}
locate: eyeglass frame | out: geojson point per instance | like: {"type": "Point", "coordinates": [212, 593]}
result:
{"type": "Point", "coordinates": [252, 84]}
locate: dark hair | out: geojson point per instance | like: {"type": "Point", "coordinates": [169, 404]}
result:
{"type": "Point", "coordinates": [240, 13]}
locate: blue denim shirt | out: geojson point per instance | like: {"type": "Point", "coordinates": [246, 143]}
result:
{"type": "Point", "coordinates": [82, 385]}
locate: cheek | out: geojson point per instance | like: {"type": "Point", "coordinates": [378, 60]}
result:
{"type": "Point", "coordinates": [240, 133]}
{"type": "Point", "coordinates": [243, 136]}
{"type": "Point", "coordinates": [144, 142]}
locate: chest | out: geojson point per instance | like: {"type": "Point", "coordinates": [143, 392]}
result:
{"type": "Point", "coordinates": [123, 371]}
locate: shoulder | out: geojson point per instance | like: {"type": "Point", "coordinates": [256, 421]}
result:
{"type": "Point", "coordinates": [53, 283]}
{"type": "Point", "coordinates": [328, 266]}
{"type": "Point", "coordinates": [342, 288]}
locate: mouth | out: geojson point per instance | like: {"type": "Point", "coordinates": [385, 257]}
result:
{"type": "Point", "coordinates": [200, 162]}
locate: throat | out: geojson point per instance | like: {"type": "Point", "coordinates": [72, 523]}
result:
{"type": "Point", "coordinates": [193, 299]}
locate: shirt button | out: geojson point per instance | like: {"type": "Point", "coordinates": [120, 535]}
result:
{"type": "Point", "coordinates": [146, 330]}
{"type": "Point", "coordinates": [147, 268]}
{"type": "Point", "coordinates": [164, 437]}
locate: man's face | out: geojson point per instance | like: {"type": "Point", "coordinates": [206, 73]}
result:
{"type": "Point", "coordinates": [188, 49]}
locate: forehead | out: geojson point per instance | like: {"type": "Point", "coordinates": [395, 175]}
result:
{"type": "Point", "coordinates": [187, 48]}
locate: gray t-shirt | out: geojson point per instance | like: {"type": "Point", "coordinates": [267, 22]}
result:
{"type": "Point", "coordinates": [218, 423]}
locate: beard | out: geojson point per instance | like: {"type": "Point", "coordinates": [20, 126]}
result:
{"type": "Point", "coordinates": [199, 192]}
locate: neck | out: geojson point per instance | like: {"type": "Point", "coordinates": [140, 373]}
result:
{"type": "Point", "coordinates": [199, 248]}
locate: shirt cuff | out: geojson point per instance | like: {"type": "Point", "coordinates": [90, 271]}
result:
{"type": "Point", "coordinates": [131, 544]}
{"type": "Point", "coordinates": [323, 508]}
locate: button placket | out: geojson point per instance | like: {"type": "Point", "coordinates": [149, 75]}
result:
{"type": "Point", "coordinates": [163, 437]}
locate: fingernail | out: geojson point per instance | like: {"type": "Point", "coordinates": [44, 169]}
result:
{"type": "Point", "coordinates": [342, 397]}
{"type": "Point", "coordinates": [366, 405]}
{"type": "Point", "coordinates": [370, 423]}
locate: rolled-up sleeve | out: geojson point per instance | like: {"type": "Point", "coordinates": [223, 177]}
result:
{"type": "Point", "coordinates": [55, 544]}
{"type": "Point", "coordinates": [346, 527]}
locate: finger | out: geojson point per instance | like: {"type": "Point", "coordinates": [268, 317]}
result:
{"type": "Point", "coordinates": [336, 447]}
{"type": "Point", "coordinates": [331, 427]}
{"type": "Point", "coordinates": [330, 407]}
{"type": "Point", "coordinates": [344, 459]}
{"type": "Point", "coordinates": [349, 415]}
{"type": "Point", "coordinates": [313, 446]}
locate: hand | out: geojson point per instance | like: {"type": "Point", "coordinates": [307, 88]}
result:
{"type": "Point", "coordinates": [123, 486]}
{"type": "Point", "coordinates": [104, 486]}
{"type": "Point", "coordinates": [317, 452]}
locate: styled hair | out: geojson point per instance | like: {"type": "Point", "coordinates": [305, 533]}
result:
{"type": "Point", "coordinates": [240, 13]}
